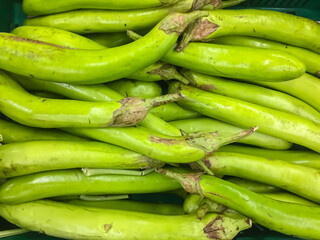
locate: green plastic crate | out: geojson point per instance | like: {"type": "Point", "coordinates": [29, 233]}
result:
{"type": "Point", "coordinates": [11, 16]}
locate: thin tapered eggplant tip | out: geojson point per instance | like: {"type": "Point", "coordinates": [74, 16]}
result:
{"type": "Point", "coordinates": [189, 181]}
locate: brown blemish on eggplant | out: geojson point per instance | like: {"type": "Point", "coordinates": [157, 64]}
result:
{"type": "Point", "coordinates": [248, 221]}
{"type": "Point", "coordinates": [165, 141]}
{"type": "Point", "coordinates": [208, 87]}
{"type": "Point", "coordinates": [207, 163]}
{"type": "Point", "coordinates": [215, 228]}
{"type": "Point", "coordinates": [132, 111]}
{"type": "Point", "coordinates": [107, 227]}
{"type": "Point", "coordinates": [215, 194]}
{"type": "Point", "coordinates": [204, 29]}
{"type": "Point", "coordinates": [21, 39]}
{"type": "Point", "coordinates": [190, 181]}
{"type": "Point", "coordinates": [195, 179]}
{"type": "Point", "coordinates": [174, 25]}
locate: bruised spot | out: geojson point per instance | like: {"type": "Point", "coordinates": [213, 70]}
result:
{"type": "Point", "coordinates": [204, 29]}
{"type": "Point", "coordinates": [44, 100]}
{"type": "Point", "coordinates": [248, 221]}
{"type": "Point", "coordinates": [207, 163]}
{"type": "Point", "coordinates": [174, 24]}
{"type": "Point", "coordinates": [132, 111]}
{"type": "Point", "coordinates": [215, 194]}
{"type": "Point", "coordinates": [208, 87]}
{"type": "Point", "coordinates": [21, 39]}
{"type": "Point", "coordinates": [216, 3]}
{"type": "Point", "coordinates": [165, 141]}
{"type": "Point", "coordinates": [240, 16]}
{"type": "Point", "coordinates": [215, 228]}
{"type": "Point", "coordinates": [13, 167]}
{"type": "Point", "coordinates": [107, 227]}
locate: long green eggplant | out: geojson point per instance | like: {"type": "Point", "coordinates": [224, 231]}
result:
{"type": "Point", "coordinates": [289, 218]}
{"type": "Point", "coordinates": [95, 21]}
{"type": "Point", "coordinates": [301, 180]}
{"type": "Point", "coordinates": [254, 94]}
{"type": "Point", "coordinates": [283, 125]}
{"type": "Point", "coordinates": [273, 25]}
{"type": "Point", "coordinates": [298, 88]}
{"type": "Point", "coordinates": [76, 222]}
{"type": "Point", "coordinates": [133, 88]}
{"type": "Point", "coordinates": [212, 125]}
{"type": "Point", "coordinates": [59, 64]}
{"type": "Point", "coordinates": [95, 93]}
{"type": "Point", "coordinates": [237, 62]}
{"type": "Point", "coordinates": [155, 72]}
{"type": "Point", "coordinates": [14, 132]}
{"type": "Point", "coordinates": [135, 206]}
{"type": "Point", "coordinates": [36, 7]}
{"type": "Point", "coordinates": [305, 158]}
{"type": "Point", "coordinates": [37, 156]}
{"type": "Point", "coordinates": [75, 182]}
{"type": "Point", "coordinates": [33, 111]}
{"type": "Point", "coordinates": [311, 59]}
{"type": "Point", "coordinates": [183, 149]}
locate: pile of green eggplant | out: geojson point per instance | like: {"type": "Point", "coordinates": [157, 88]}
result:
{"type": "Point", "coordinates": [103, 101]}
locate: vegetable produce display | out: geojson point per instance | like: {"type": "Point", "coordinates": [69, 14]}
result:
{"type": "Point", "coordinates": [159, 120]}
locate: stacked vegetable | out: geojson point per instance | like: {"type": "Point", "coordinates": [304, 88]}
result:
{"type": "Point", "coordinates": [88, 120]}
